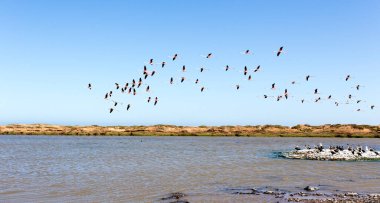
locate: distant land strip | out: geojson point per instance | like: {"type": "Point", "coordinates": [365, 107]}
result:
{"type": "Point", "coordinates": [346, 130]}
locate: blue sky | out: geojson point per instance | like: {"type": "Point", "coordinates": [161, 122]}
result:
{"type": "Point", "coordinates": [50, 50]}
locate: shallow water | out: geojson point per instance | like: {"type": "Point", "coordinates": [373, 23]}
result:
{"type": "Point", "coordinates": [145, 169]}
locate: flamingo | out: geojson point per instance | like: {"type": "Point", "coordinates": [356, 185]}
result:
{"type": "Point", "coordinates": [348, 77]}
{"type": "Point", "coordinates": [273, 86]}
{"type": "Point", "coordinates": [279, 51]}
{"type": "Point", "coordinates": [257, 69]}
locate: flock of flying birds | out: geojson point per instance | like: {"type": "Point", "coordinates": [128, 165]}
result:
{"type": "Point", "coordinates": [134, 85]}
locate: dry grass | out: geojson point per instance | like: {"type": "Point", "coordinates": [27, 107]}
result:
{"type": "Point", "coordinates": [170, 130]}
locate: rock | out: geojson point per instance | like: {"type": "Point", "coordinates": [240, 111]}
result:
{"type": "Point", "coordinates": [174, 196]}
{"type": "Point", "coordinates": [340, 195]}
{"type": "Point", "coordinates": [374, 195]}
{"type": "Point", "coordinates": [245, 191]}
{"type": "Point", "coordinates": [302, 194]}
{"type": "Point", "coordinates": [311, 188]}
{"type": "Point", "coordinates": [351, 194]}
{"type": "Point", "coordinates": [268, 192]}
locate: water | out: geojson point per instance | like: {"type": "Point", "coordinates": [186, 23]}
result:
{"type": "Point", "coordinates": [145, 169]}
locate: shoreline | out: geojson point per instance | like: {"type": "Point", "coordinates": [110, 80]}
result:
{"type": "Point", "coordinates": [339, 131]}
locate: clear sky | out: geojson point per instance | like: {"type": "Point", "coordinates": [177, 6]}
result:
{"type": "Point", "coordinates": [51, 50]}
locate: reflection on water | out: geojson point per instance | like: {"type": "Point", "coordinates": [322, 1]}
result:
{"type": "Point", "coordinates": [53, 168]}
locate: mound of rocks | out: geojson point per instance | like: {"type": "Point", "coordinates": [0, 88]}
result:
{"type": "Point", "coordinates": [333, 153]}
{"type": "Point", "coordinates": [307, 197]}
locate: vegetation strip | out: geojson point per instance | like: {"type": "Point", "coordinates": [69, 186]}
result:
{"type": "Point", "coordinates": [349, 130]}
